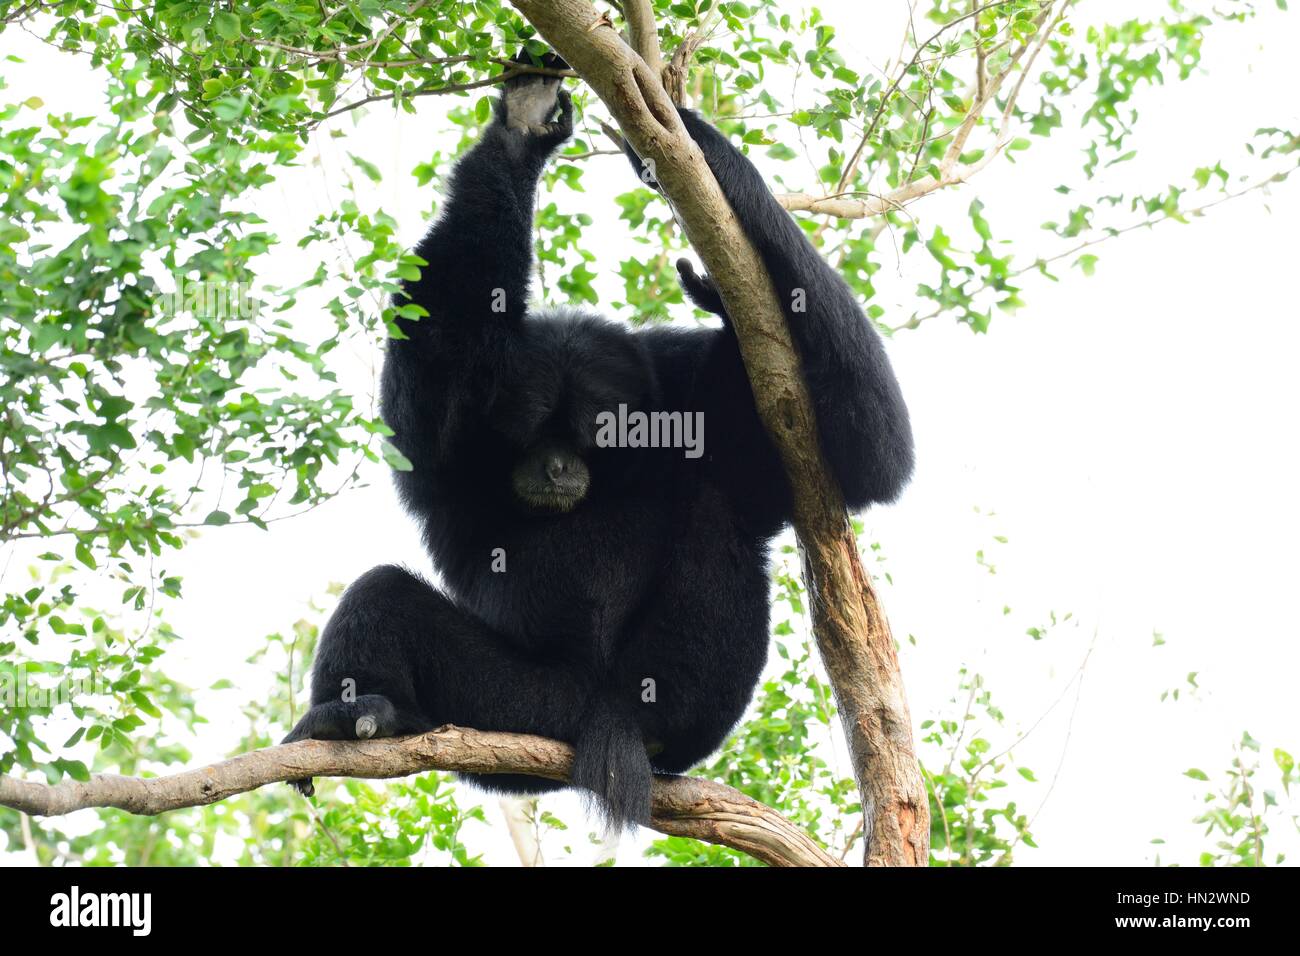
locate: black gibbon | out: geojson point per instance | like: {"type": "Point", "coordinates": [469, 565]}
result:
{"type": "Point", "coordinates": [615, 598]}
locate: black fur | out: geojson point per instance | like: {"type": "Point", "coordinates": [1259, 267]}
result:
{"type": "Point", "coordinates": [660, 572]}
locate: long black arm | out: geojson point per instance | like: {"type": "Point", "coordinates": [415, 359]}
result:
{"type": "Point", "coordinates": [862, 419]}
{"type": "Point", "coordinates": [475, 283]}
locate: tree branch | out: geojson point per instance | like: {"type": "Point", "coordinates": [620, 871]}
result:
{"type": "Point", "coordinates": [677, 70]}
{"type": "Point", "coordinates": [681, 806]}
{"type": "Point", "coordinates": [1106, 233]}
{"type": "Point", "coordinates": [515, 69]}
{"type": "Point", "coordinates": [851, 168]}
{"type": "Point", "coordinates": [642, 33]}
{"type": "Point", "coordinates": [852, 633]}
{"type": "Point", "coordinates": [951, 173]}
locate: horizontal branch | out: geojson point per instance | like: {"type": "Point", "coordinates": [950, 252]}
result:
{"type": "Point", "coordinates": [681, 806]}
{"type": "Point", "coordinates": [842, 207]}
{"type": "Point", "coordinates": [449, 88]}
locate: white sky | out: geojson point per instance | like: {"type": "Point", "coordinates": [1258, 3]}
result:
{"type": "Point", "coordinates": [1132, 436]}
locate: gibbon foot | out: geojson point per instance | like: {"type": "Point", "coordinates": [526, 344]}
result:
{"type": "Point", "coordinates": [370, 715]}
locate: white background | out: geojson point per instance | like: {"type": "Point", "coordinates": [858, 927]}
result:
{"type": "Point", "coordinates": [1131, 435]}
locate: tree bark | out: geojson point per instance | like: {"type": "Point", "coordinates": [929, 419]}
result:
{"type": "Point", "coordinates": [852, 633]}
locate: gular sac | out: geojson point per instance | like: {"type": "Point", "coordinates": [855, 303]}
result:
{"type": "Point", "coordinates": [551, 476]}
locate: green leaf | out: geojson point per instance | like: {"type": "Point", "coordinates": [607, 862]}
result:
{"type": "Point", "coordinates": [396, 460]}
{"type": "Point", "coordinates": [145, 704]}
{"type": "Point", "coordinates": [82, 551]}
{"type": "Point", "coordinates": [1284, 761]}
{"type": "Point", "coordinates": [73, 768]}
{"type": "Point", "coordinates": [227, 25]}
{"type": "Point", "coordinates": [367, 167]}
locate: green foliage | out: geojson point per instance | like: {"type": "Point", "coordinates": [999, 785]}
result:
{"type": "Point", "coordinates": [971, 824]}
{"type": "Point", "coordinates": [349, 822]}
{"type": "Point", "coordinates": [1238, 815]}
{"type": "Point", "coordinates": [102, 678]}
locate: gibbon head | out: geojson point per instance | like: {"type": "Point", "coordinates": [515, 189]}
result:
{"type": "Point", "coordinates": [568, 369]}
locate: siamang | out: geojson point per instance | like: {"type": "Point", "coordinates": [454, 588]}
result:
{"type": "Point", "coordinates": [615, 598]}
